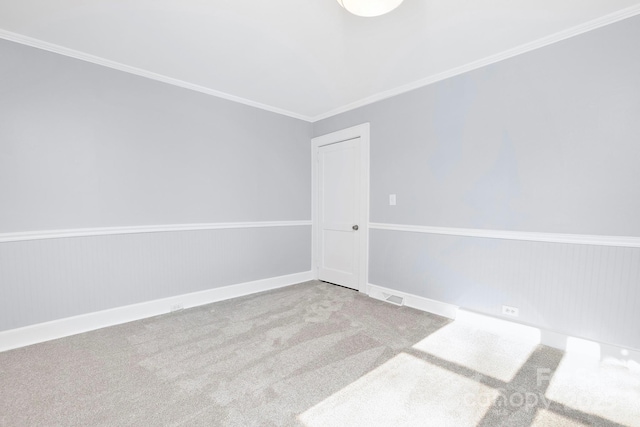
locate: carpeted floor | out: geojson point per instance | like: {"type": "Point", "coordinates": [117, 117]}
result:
{"type": "Point", "coordinates": [310, 355]}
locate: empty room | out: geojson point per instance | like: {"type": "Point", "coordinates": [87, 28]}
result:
{"type": "Point", "coordinates": [320, 213]}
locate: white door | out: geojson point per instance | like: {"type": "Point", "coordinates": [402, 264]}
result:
{"type": "Point", "coordinates": [339, 205]}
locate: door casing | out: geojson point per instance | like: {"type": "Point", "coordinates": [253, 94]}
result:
{"type": "Point", "coordinates": [362, 132]}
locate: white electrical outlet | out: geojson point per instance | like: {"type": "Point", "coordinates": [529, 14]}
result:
{"type": "Point", "coordinates": [392, 199]}
{"type": "Point", "coordinates": [507, 310]}
{"type": "Point", "coordinates": [176, 307]}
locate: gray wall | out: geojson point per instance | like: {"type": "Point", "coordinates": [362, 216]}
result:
{"type": "Point", "coordinates": [51, 279]}
{"type": "Point", "coordinates": [84, 146]}
{"type": "Point", "coordinates": [580, 290]}
{"type": "Point", "coordinates": [548, 141]}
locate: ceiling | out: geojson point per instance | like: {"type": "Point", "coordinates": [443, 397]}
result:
{"type": "Point", "coordinates": [304, 58]}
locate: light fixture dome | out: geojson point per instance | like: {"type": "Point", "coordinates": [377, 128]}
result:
{"type": "Point", "coordinates": [369, 8]}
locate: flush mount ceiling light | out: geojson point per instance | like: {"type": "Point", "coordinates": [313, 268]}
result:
{"type": "Point", "coordinates": [369, 8]}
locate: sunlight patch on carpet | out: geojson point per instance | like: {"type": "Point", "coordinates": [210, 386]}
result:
{"type": "Point", "coordinates": [404, 391]}
{"type": "Point", "coordinates": [490, 346]}
{"type": "Point", "coordinates": [608, 388]}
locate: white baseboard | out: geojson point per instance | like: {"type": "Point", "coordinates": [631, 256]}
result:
{"type": "Point", "coordinates": [41, 332]}
{"type": "Point", "coordinates": [562, 341]}
{"type": "Point", "coordinates": [601, 350]}
{"type": "Point", "coordinates": [420, 303]}
{"type": "Point", "coordinates": [573, 346]}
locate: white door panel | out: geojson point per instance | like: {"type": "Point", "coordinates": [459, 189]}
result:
{"type": "Point", "coordinates": [340, 257]}
{"type": "Point", "coordinates": [339, 210]}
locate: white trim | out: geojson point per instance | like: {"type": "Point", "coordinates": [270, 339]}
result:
{"type": "Point", "coordinates": [360, 131]}
{"type": "Point", "coordinates": [41, 332]}
{"type": "Point", "coordinates": [576, 239]}
{"type": "Point", "coordinates": [51, 47]}
{"type": "Point", "coordinates": [497, 325]}
{"type": "Point", "coordinates": [562, 341]}
{"type": "Point", "coordinates": [509, 53]}
{"type": "Point", "coordinates": [83, 232]}
{"type": "Point", "coordinates": [449, 311]}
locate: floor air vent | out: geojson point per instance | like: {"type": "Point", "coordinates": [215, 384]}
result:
{"type": "Point", "coordinates": [393, 299]}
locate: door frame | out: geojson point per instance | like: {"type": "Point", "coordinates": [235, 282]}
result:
{"type": "Point", "coordinates": [360, 131]}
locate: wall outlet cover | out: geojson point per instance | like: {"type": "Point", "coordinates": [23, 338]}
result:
{"type": "Point", "coordinates": [508, 310]}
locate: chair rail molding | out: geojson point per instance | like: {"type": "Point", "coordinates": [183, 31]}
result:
{"type": "Point", "coordinates": [105, 231]}
{"type": "Point", "coordinates": [577, 239]}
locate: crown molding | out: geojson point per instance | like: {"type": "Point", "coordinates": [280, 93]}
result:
{"type": "Point", "coordinates": [527, 47]}
{"type": "Point", "coordinates": [51, 47]}
{"type": "Point", "coordinates": [509, 53]}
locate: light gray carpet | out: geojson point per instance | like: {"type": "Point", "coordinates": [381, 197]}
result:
{"type": "Point", "coordinates": [312, 354]}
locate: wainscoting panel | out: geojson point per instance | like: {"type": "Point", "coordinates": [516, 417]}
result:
{"type": "Point", "coordinates": [50, 279]}
{"type": "Point", "coordinates": [586, 291]}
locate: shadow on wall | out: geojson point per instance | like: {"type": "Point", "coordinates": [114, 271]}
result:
{"type": "Point", "coordinates": [454, 103]}
{"type": "Point", "coordinates": [492, 198]}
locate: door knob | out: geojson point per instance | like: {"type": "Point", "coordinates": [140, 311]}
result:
{"type": "Point", "coordinates": [355, 227]}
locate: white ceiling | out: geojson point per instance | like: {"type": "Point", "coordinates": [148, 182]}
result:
{"type": "Point", "coordinates": [305, 58]}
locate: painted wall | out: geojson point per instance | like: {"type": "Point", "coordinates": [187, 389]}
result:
{"type": "Point", "coordinates": [83, 146]}
{"type": "Point", "coordinates": [87, 146]}
{"type": "Point", "coordinates": [57, 278]}
{"type": "Point", "coordinates": [548, 141]}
